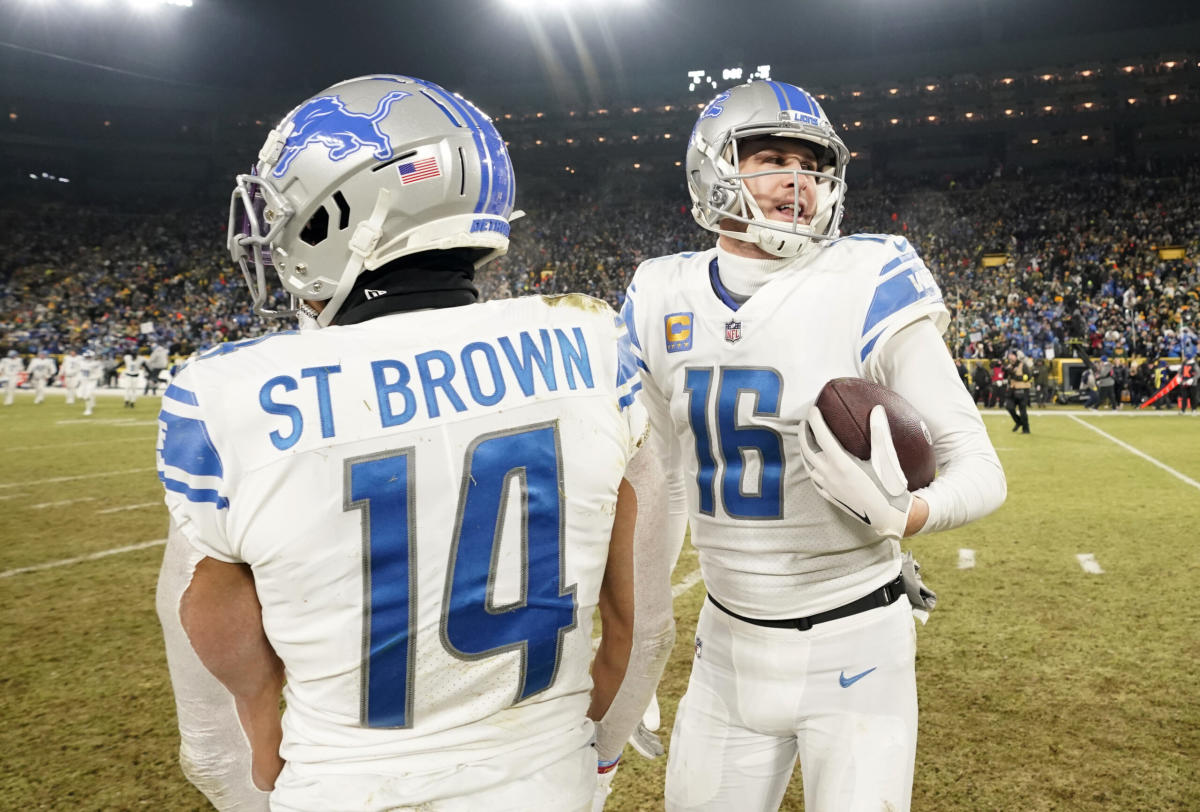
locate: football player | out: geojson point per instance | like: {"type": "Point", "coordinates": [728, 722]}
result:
{"type": "Point", "coordinates": [41, 369]}
{"type": "Point", "coordinates": [132, 374]}
{"type": "Point", "coordinates": [404, 514]}
{"type": "Point", "coordinates": [70, 371]}
{"type": "Point", "coordinates": [10, 370]}
{"type": "Point", "coordinates": [91, 369]}
{"type": "Point", "coordinates": [806, 646]}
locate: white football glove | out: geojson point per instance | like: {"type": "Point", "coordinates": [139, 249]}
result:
{"type": "Point", "coordinates": [875, 492]}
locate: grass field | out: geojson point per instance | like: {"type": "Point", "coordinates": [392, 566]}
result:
{"type": "Point", "coordinates": [1042, 686]}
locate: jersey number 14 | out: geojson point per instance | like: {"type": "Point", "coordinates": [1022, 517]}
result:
{"type": "Point", "coordinates": [382, 487]}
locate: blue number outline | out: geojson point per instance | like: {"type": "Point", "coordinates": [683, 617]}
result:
{"type": "Point", "coordinates": [729, 453]}
{"type": "Point", "coordinates": [366, 505]}
{"type": "Point", "coordinates": [470, 483]}
{"type": "Point", "coordinates": [726, 437]}
{"type": "Point", "coordinates": [371, 485]}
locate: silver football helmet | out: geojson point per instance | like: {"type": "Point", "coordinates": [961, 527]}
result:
{"type": "Point", "coordinates": [368, 170]}
{"type": "Point", "coordinates": [755, 110]}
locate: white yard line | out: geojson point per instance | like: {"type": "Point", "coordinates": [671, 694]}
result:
{"type": "Point", "coordinates": [1181, 477]}
{"type": "Point", "coordinates": [159, 503]}
{"type": "Point", "coordinates": [689, 581]}
{"type": "Point", "coordinates": [1089, 563]}
{"type": "Point", "coordinates": [72, 478]}
{"type": "Point", "coordinates": [74, 445]}
{"type": "Point", "coordinates": [78, 559]}
{"type": "Point", "coordinates": [966, 559]}
{"type": "Point", "coordinates": [42, 505]}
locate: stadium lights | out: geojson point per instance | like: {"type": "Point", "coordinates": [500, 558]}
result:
{"type": "Point", "coordinates": [1033, 141]}
{"type": "Point", "coordinates": [893, 91]}
{"type": "Point", "coordinates": [1083, 137]}
{"type": "Point", "coordinates": [1008, 80]}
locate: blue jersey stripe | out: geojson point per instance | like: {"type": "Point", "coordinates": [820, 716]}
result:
{"type": "Point", "coordinates": [891, 297]}
{"type": "Point", "coordinates": [176, 392]}
{"type": "Point", "coordinates": [897, 262]}
{"type": "Point", "coordinates": [187, 446]}
{"type": "Point", "coordinates": [627, 364]}
{"type": "Point", "coordinates": [626, 400]}
{"type": "Point", "coordinates": [628, 319]}
{"type": "Point", "coordinates": [195, 494]}
{"type": "Point", "coordinates": [866, 350]}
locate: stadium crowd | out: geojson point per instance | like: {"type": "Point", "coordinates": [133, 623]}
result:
{"type": "Point", "coordinates": [1079, 265]}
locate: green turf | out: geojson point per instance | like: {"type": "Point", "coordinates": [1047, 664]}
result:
{"type": "Point", "coordinates": [1042, 687]}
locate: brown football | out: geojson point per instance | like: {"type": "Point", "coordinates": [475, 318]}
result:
{"type": "Point", "coordinates": [846, 405]}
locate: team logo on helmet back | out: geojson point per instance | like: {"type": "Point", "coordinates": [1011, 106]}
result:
{"type": "Point", "coordinates": [325, 120]}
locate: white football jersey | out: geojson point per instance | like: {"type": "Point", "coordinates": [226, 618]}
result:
{"type": "Point", "coordinates": [42, 368]}
{"type": "Point", "coordinates": [70, 365]}
{"type": "Point", "coordinates": [426, 501]}
{"type": "Point", "coordinates": [731, 384]}
{"type": "Point", "coordinates": [91, 369]}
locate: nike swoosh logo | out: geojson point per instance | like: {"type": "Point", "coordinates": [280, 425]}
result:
{"type": "Point", "coordinates": [846, 682]}
{"type": "Point", "coordinates": [862, 516]}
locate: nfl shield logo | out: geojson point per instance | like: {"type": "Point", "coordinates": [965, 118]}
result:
{"type": "Point", "coordinates": [733, 331]}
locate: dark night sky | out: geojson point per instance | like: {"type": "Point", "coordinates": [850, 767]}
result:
{"type": "Point", "coordinates": [299, 46]}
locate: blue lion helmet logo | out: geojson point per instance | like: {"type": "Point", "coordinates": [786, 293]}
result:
{"type": "Point", "coordinates": [325, 120]}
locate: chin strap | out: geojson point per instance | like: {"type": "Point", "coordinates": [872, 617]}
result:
{"type": "Point", "coordinates": [366, 237]}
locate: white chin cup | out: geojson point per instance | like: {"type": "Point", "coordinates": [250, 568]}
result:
{"type": "Point", "coordinates": [781, 244]}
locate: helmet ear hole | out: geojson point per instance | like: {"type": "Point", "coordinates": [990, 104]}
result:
{"type": "Point", "coordinates": [343, 210]}
{"type": "Point", "coordinates": [317, 228]}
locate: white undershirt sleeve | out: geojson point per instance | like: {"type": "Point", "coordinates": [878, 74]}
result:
{"type": "Point", "coordinates": [653, 616]}
{"type": "Point", "coordinates": [970, 481]}
{"type": "Point", "coordinates": [213, 749]}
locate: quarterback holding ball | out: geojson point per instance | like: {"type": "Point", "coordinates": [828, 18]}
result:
{"type": "Point", "coordinates": [805, 649]}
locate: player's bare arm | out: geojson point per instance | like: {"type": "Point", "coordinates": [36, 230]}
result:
{"type": "Point", "coordinates": [223, 620]}
{"type": "Point", "coordinates": [616, 606]}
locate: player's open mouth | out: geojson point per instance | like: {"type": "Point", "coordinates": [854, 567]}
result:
{"type": "Point", "coordinates": [789, 210]}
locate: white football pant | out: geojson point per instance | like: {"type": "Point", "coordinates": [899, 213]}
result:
{"type": "Point", "coordinates": [87, 393]}
{"type": "Point", "coordinates": [71, 384]}
{"type": "Point", "coordinates": [841, 696]}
